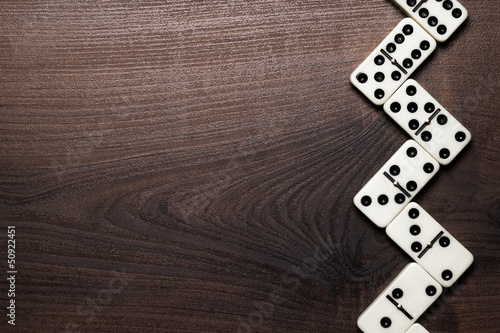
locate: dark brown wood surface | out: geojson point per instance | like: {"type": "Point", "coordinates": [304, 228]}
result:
{"type": "Point", "coordinates": [189, 166]}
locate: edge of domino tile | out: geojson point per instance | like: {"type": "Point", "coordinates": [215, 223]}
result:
{"type": "Point", "coordinates": [356, 198]}
{"type": "Point", "coordinates": [439, 40]}
{"type": "Point", "coordinates": [352, 77]}
{"type": "Point", "coordinates": [381, 295]}
{"type": "Point", "coordinates": [417, 328]}
{"type": "Point", "coordinates": [414, 204]}
{"type": "Point", "coordinates": [409, 81]}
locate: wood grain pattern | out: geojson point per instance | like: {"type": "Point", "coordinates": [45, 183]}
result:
{"type": "Point", "coordinates": [189, 166]}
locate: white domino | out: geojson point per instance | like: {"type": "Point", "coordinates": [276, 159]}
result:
{"type": "Point", "coordinates": [440, 18]}
{"type": "Point", "coordinates": [417, 328]}
{"type": "Point", "coordinates": [393, 61]}
{"type": "Point", "coordinates": [427, 122]}
{"type": "Point", "coordinates": [401, 303]}
{"type": "Point", "coordinates": [429, 244]}
{"type": "Point", "coordinates": [396, 183]}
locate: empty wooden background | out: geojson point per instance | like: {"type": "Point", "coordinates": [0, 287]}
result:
{"type": "Point", "coordinates": [189, 166]}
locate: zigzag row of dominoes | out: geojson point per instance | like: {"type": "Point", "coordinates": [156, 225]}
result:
{"type": "Point", "coordinates": [437, 138]}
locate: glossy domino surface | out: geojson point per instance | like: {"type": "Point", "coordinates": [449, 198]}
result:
{"type": "Point", "coordinates": [393, 61]}
{"type": "Point", "coordinates": [429, 244]}
{"type": "Point", "coordinates": [427, 122]}
{"type": "Point", "coordinates": [398, 181]}
{"type": "Point", "coordinates": [417, 328]}
{"type": "Point", "coordinates": [440, 18]}
{"type": "Point", "coordinates": [401, 303]}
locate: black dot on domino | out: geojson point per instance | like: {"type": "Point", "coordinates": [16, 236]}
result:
{"type": "Point", "coordinates": [429, 107]}
{"type": "Point", "coordinates": [408, 29]}
{"type": "Point", "coordinates": [366, 201]}
{"type": "Point", "coordinates": [411, 90]}
{"type": "Point", "coordinates": [460, 136]}
{"type": "Point", "coordinates": [447, 275]}
{"type": "Point", "coordinates": [457, 13]}
{"type": "Point", "coordinates": [416, 247]}
{"type": "Point", "coordinates": [444, 241]}
{"type": "Point", "coordinates": [442, 29]}
{"type": "Point", "coordinates": [413, 124]}
{"type": "Point", "coordinates": [411, 3]}
{"type": "Point", "coordinates": [399, 38]}
{"type": "Point", "coordinates": [399, 198]}
{"type": "Point", "coordinates": [411, 186]}
{"type": "Point", "coordinates": [391, 47]}
{"type": "Point", "coordinates": [395, 107]}
{"type": "Point", "coordinates": [442, 119]}
{"type": "Point", "coordinates": [411, 152]}
{"type": "Point", "coordinates": [396, 76]}
{"type": "Point", "coordinates": [379, 94]}
{"type": "Point", "coordinates": [379, 77]}
{"type": "Point", "coordinates": [433, 21]}
{"type": "Point", "coordinates": [431, 291]}
{"type": "Point", "coordinates": [385, 322]}
{"type": "Point", "coordinates": [394, 170]}
{"type": "Point", "coordinates": [413, 213]}
{"type": "Point", "coordinates": [383, 200]}
{"type": "Point", "coordinates": [425, 45]}
{"type": "Point", "coordinates": [362, 77]}
{"type": "Point", "coordinates": [447, 5]}
{"type": "Point", "coordinates": [415, 230]}
{"type": "Point", "coordinates": [426, 136]}
{"type": "Point", "coordinates": [379, 60]}
{"type": "Point", "coordinates": [428, 168]}
{"type": "Point", "coordinates": [444, 153]}
{"type": "Point", "coordinates": [397, 293]}
{"type": "Point", "coordinates": [416, 54]}
{"type": "Point", "coordinates": [408, 63]}
{"type": "Point", "coordinates": [424, 13]}
{"type": "Point", "coordinates": [412, 107]}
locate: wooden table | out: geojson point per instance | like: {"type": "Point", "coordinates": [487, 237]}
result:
{"type": "Point", "coordinates": [189, 166]}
